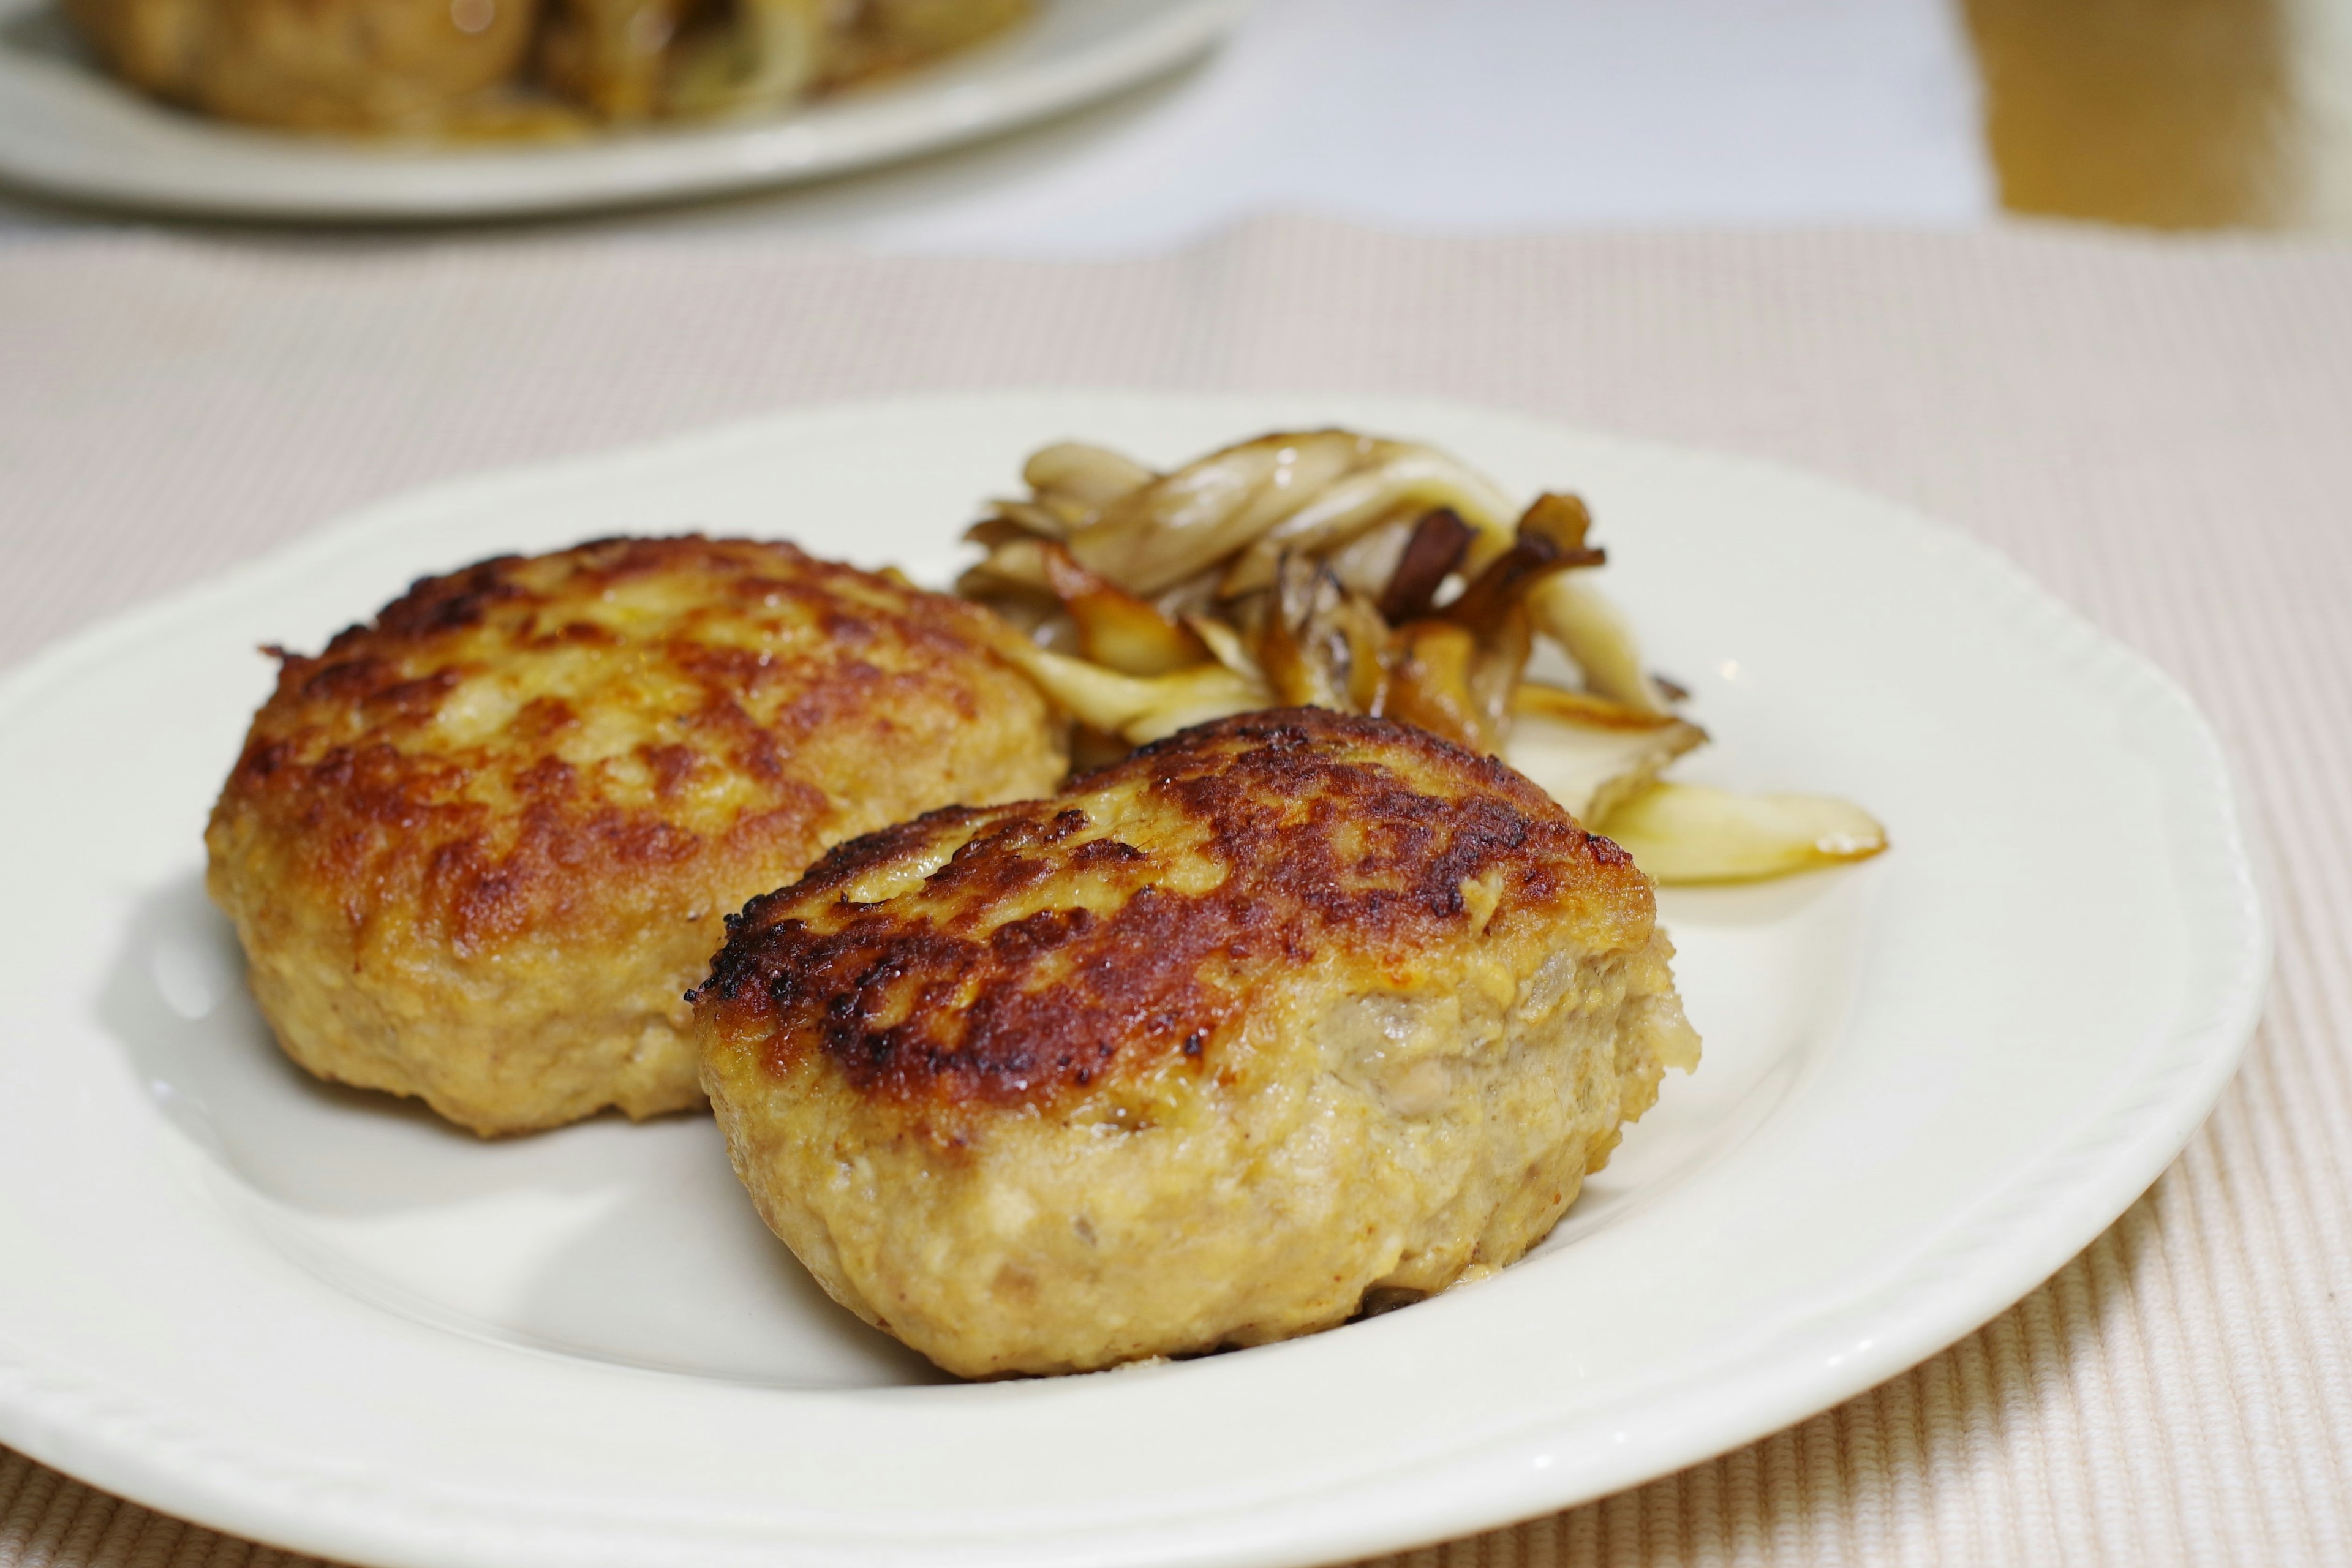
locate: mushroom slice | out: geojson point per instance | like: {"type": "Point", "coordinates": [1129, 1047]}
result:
{"type": "Point", "coordinates": [1564, 520]}
{"type": "Point", "coordinates": [1401, 477]}
{"type": "Point", "coordinates": [1438, 543]}
{"type": "Point", "coordinates": [1366, 563]}
{"type": "Point", "coordinates": [1509, 578]}
{"type": "Point", "coordinates": [1136, 708]}
{"type": "Point", "coordinates": [1151, 539]}
{"type": "Point", "coordinates": [1428, 665]}
{"type": "Point", "coordinates": [1015, 518]}
{"type": "Point", "coordinates": [1016, 565]}
{"type": "Point", "coordinates": [1690, 832]}
{"type": "Point", "coordinates": [1115, 627]}
{"type": "Point", "coordinates": [1305, 653]}
{"type": "Point", "coordinates": [1597, 636]}
{"type": "Point", "coordinates": [1074, 474]}
{"type": "Point", "coordinates": [1590, 768]}
{"type": "Point", "coordinates": [1496, 668]}
{"type": "Point", "coordinates": [1367, 636]}
{"type": "Point", "coordinates": [999, 528]}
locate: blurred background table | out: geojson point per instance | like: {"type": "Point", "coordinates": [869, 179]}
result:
{"type": "Point", "coordinates": [1485, 115]}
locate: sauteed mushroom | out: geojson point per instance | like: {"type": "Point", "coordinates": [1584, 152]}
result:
{"type": "Point", "coordinates": [1335, 569]}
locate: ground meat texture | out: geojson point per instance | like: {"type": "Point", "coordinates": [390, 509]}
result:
{"type": "Point", "coordinates": [1289, 1013]}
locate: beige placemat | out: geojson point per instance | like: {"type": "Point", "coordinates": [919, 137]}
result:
{"type": "Point", "coordinates": [2161, 432]}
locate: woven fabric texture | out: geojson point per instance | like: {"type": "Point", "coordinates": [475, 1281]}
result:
{"type": "Point", "coordinates": [2159, 431]}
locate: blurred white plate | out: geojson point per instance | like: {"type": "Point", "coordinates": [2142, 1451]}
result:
{"type": "Point", "coordinates": [67, 128]}
{"type": "Point", "coordinates": [322, 1319]}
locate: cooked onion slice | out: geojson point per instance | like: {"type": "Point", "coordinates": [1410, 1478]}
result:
{"type": "Point", "coordinates": [1115, 627]}
{"type": "Point", "coordinates": [1225, 644]}
{"type": "Point", "coordinates": [1590, 768]}
{"type": "Point", "coordinates": [1690, 832]}
{"type": "Point", "coordinates": [1136, 708]}
{"type": "Point", "coordinates": [1598, 637]}
{"type": "Point", "coordinates": [1430, 664]}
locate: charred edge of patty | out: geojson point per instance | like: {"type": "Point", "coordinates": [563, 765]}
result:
{"type": "Point", "coordinates": [915, 1008]}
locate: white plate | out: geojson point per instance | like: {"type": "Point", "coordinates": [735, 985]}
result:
{"type": "Point", "coordinates": [67, 128]}
{"type": "Point", "coordinates": [319, 1318]}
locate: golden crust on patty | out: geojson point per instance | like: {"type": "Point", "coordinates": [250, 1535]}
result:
{"type": "Point", "coordinates": [1287, 1010]}
{"type": "Point", "coordinates": [477, 849]}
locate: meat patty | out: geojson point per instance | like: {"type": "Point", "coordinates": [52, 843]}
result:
{"type": "Point", "coordinates": [477, 849]}
{"type": "Point", "coordinates": [1288, 1012]}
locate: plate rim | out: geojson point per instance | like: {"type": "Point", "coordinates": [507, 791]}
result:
{"type": "Point", "coordinates": [2115, 1146]}
{"type": "Point", "coordinates": [718, 160]}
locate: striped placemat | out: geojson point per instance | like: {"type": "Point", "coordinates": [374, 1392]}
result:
{"type": "Point", "coordinates": [2160, 431]}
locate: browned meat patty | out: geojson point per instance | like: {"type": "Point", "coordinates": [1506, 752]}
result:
{"type": "Point", "coordinates": [1285, 1012]}
{"type": "Point", "coordinates": [477, 849]}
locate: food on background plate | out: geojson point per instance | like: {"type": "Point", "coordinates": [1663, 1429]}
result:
{"type": "Point", "coordinates": [514, 66]}
{"type": "Point", "coordinates": [477, 849]}
{"type": "Point", "coordinates": [1289, 1015]}
{"type": "Point", "coordinates": [1372, 576]}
